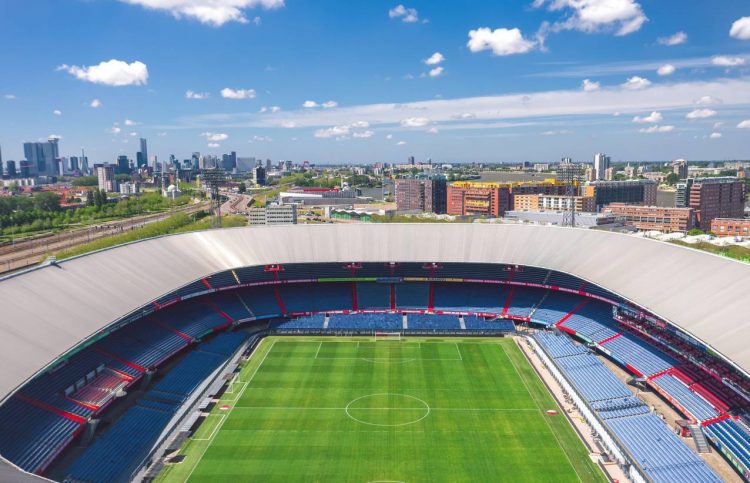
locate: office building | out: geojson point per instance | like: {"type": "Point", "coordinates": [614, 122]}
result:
{"type": "Point", "coordinates": [654, 218]}
{"type": "Point", "coordinates": [583, 220]}
{"type": "Point", "coordinates": [106, 178]}
{"type": "Point", "coordinates": [411, 160]}
{"type": "Point", "coordinates": [721, 197]}
{"type": "Point", "coordinates": [259, 175]}
{"type": "Point", "coordinates": [731, 226]}
{"type": "Point", "coordinates": [123, 164]}
{"type": "Point", "coordinates": [41, 157]}
{"type": "Point", "coordinates": [680, 168]}
{"type": "Point", "coordinates": [554, 203]}
{"type": "Point", "coordinates": [601, 163]}
{"type": "Point", "coordinates": [131, 188]}
{"type": "Point", "coordinates": [478, 199]}
{"type": "Point", "coordinates": [273, 215]}
{"type": "Point", "coordinates": [426, 195]}
{"type": "Point", "coordinates": [10, 168]}
{"type": "Point", "coordinates": [632, 192]}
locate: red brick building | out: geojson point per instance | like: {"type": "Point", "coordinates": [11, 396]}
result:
{"type": "Point", "coordinates": [656, 218]}
{"type": "Point", "coordinates": [731, 226]}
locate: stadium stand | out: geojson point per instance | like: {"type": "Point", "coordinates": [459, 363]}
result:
{"type": "Point", "coordinates": [554, 307]}
{"type": "Point", "coordinates": [118, 453]}
{"type": "Point", "coordinates": [432, 322]}
{"type": "Point", "coordinates": [619, 408]}
{"type": "Point", "coordinates": [231, 304]}
{"type": "Point", "coordinates": [559, 345]}
{"type": "Point", "coordinates": [644, 359]}
{"type": "Point", "coordinates": [366, 321]}
{"type": "Point", "coordinates": [316, 297]}
{"type": "Point", "coordinates": [372, 295]}
{"type": "Point", "coordinates": [522, 301]}
{"type": "Point", "coordinates": [593, 321]}
{"type": "Point", "coordinates": [592, 379]}
{"type": "Point", "coordinates": [412, 295]}
{"type": "Point", "coordinates": [470, 297]}
{"type": "Point", "coordinates": [733, 437]}
{"type": "Point", "coordinates": [696, 406]}
{"type": "Point", "coordinates": [659, 451]}
{"type": "Point", "coordinates": [474, 322]}
{"type": "Point", "coordinates": [308, 322]}
{"type": "Point", "coordinates": [261, 300]}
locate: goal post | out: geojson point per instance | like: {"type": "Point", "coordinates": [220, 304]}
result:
{"type": "Point", "coordinates": [381, 336]}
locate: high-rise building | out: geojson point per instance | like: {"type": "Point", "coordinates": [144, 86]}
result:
{"type": "Point", "coordinates": [41, 157]}
{"type": "Point", "coordinates": [721, 197]}
{"type": "Point", "coordinates": [106, 177]}
{"type": "Point", "coordinates": [259, 175]}
{"type": "Point", "coordinates": [123, 164]}
{"type": "Point", "coordinates": [609, 174]}
{"type": "Point", "coordinates": [273, 215]}
{"type": "Point", "coordinates": [680, 168]}
{"type": "Point", "coordinates": [484, 199]}
{"type": "Point", "coordinates": [601, 163]}
{"type": "Point", "coordinates": [268, 165]}
{"type": "Point", "coordinates": [411, 160]}
{"type": "Point", "coordinates": [428, 195]}
{"type": "Point", "coordinates": [634, 192]}
{"type": "Point", "coordinates": [142, 160]}
{"type": "Point", "coordinates": [11, 168]}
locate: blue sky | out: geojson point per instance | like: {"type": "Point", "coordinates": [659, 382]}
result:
{"type": "Point", "coordinates": [450, 80]}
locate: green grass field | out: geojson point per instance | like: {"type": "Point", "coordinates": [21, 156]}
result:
{"type": "Point", "coordinates": [349, 410]}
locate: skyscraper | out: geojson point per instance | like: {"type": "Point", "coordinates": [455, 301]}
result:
{"type": "Point", "coordinates": [106, 178]}
{"type": "Point", "coordinates": [41, 157]}
{"type": "Point", "coordinates": [601, 163]}
{"type": "Point", "coordinates": [123, 164]}
{"type": "Point", "coordinates": [144, 153]}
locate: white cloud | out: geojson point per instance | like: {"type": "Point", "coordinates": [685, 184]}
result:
{"type": "Point", "coordinates": [744, 124]}
{"type": "Point", "coordinates": [707, 101]}
{"type": "Point", "coordinates": [557, 133]}
{"type": "Point", "coordinates": [434, 59]}
{"type": "Point", "coordinates": [271, 109]}
{"type": "Point", "coordinates": [740, 29]}
{"type": "Point", "coordinates": [53, 137]}
{"type": "Point", "coordinates": [363, 134]}
{"type": "Point", "coordinates": [330, 104]}
{"type": "Point", "coordinates": [727, 61]}
{"type": "Point", "coordinates": [289, 124]}
{"type": "Point", "coordinates": [676, 39]}
{"type": "Point", "coordinates": [111, 73]}
{"type": "Point", "coordinates": [656, 129]}
{"type": "Point", "coordinates": [115, 129]}
{"type": "Point", "coordinates": [162, 134]}
{"type": "Point", "coordinates": [623, 16]}
{"type": "Point", "coordinates": [57, 112]}
{"type": "Point", "coordinates": [261, 139]}
{"type": "Point", "coordinates": [228, 93]}
{"type": "Point", "coordinates": [345, 130]}
{"type": "Point", "coordinates": [415, 122]}
{"type": "Point", "coordinates": [309, 104]}
{"type": "Point", "coordinates": [433, 130]}
{"type": "Point", "coordinates": [436, 72]}
{"type": "Point", "coordinates": [500, 41]}
{"type": "Point", "coordinates": [10, 97]}
{"type": "Point", "coordinates": [718, 124]}
{"type": "Point", "coordinates": [407, 15]}
{"type": "Point", "coordinates": [213, 145]}
{"type": "Point", "coordinates": [701, 114]}
{"type": "Point", "coordinates": [401, 143]}
{"type": "Point", "coordinates": [130, 122]}
{"type": "Point", "coordinates": [257, 20]}
{"type": "Point", "coordinates": [197, 95]}
{"type": "Point", "coordinates": [211, 12]}
{"type": "Point", "coordinates": [133, 134]}
{"type": "Point", "coordinates": [215, 137]}
{"type": "Point", "coordinates": [715, 135]}
{"type": "Point", "coordinates": [652, 118]}
{"type": "Point", "coordinates": [636, 83]}
{"type": "Point", "coordinates": [96, 103]}
{"type": "Point", "coordinates": [464, 115]}
{"type": "Point", "coordinates": [389, 136]}
{"type": "Point", "coordinates": [590, 86]}
{"type": "Point", "coordinates": [666, 69]}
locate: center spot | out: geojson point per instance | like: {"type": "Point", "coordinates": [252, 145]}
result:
{"type": "Point", "coordinates": [387, 409]}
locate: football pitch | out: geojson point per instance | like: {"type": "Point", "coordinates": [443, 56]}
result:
{"type": "Point", "coordinates": [357, 410]}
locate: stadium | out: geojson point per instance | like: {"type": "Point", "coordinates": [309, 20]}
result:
{"type": "Point", "coordinates": [377, 353]}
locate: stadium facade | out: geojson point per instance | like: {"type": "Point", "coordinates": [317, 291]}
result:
{"type": "Point", "coordinates": [55, 313]}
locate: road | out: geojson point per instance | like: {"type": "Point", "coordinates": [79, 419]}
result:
{"type": "Point", "coordinates": [236, 203]}
{"type": "Point", "coordinates": [28, 252]}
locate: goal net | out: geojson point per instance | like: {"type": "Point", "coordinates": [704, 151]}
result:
{"type": "Point", "coordinates": [380, 336]}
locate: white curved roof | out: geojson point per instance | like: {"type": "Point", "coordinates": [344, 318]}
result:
{"type": "Point", "coordinates": [47, 311]}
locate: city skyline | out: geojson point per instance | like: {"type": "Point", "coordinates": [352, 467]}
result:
{"type": "Point", "coordinates": [380, 81]}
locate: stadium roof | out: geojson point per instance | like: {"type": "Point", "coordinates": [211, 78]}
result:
{"type": "Point", "coordinates": [50, 310]}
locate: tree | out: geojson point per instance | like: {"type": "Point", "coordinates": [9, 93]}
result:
{"type": "Point", "coordinates": [672, 179]}
{"type": "Point", "coordinates": [47, 201]}
{"type": "Point", "coordinates": [695, 231]}
{"type": "Point", "coordinates": [122, 177]}
{"type": "Point", "coordinates": [85, 181]}
{"type": "Point", "coordinates": [89, 198]}
{"type": "Point", "coordinates": [242, 188]}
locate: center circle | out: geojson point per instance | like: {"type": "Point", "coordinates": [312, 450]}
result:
{"type": "Point", "coordinates": [387, 409]}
